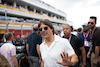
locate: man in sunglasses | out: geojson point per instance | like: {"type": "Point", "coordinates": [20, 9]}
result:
{"type": "Point", "coordinates": [95, 38]}
{"type": "Point", "coordinates": [55, 51]}
{"type": "Point", "coordinates": [34, 40]}
{"type": "Point", "coordinates": [85, 37]}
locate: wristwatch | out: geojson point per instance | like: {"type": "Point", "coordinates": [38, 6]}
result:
{"type": "Point", "coordinates": [71, 63]}
{"type": "Point", "coordinates": [84, 64]}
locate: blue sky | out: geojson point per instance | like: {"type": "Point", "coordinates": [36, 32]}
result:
{"type": "Point", "coordinates": [78, 11]}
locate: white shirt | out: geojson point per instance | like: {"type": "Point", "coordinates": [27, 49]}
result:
{"type": "Point", "coordinates": [50, 55]}
{"type": "Point", "coordinates": [74, 33]}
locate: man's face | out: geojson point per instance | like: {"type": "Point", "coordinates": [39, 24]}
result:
{"type": "Point", "coordinates": [66, 30]}
{"type": "Point", "coordinates": [85, 29]}
{"type": "Point", "coordinates": [18, 37]}
{"type": "Point", "coordinates": [91, 23]}
{"type": "Point", "coordinates": [45, 31]}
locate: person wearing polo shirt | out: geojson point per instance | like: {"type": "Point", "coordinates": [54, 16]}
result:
{"type": "Point", "coordinates": [55, 51]}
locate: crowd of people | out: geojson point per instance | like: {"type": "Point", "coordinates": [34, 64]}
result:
{"type": "Point", "coordinates": [44, 48]}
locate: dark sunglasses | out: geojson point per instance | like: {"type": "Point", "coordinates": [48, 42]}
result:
{"type": "Point", "coordinates": [35, 29]}
{"type": "Point", "coordinates": [91, 23]}
{"type": "Point", "coordinates": [84, 26]}
{"type": "Point", "coordinates": [45, 28]}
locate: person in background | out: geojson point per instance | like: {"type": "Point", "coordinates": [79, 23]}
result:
{"type": "Point", "coordinates": [27, 34]}
{"type": "Point", "coordinates": [59, 33]}
{"type": "Point", "coordinates": [52, 47]}
{"type": "Point", "coordinates": [73, 31]}
{"type": "Point", "coordinates": [33, 41]}
{"type": "Point", "coordinates": [1, 39]}
{"type": "Point", "coordinates": [24, 42]}
{"type": "Point", "coordinates": [94, 51]}
{"type": "Point", "coordinates": [8, 50]}
{"type": "Point", "coordinates": [85, 37]}
{"type": "Point", "coordinates": [17, 41]}
{"type": "Point", "coordinates": [77, 45]}
{"type": "Point", "coordinates": [79, 30]}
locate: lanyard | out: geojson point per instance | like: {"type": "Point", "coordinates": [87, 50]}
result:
{"type": "Point", "coordinates": [91, 35]}
{"type": "Point", "coordinates": [86, 35]}
{"type": "Point", "coordinates": [70, 37]}
{"type": "Point", "coordinates": [8, 42]}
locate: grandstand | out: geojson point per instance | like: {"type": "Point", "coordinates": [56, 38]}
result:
{"type": "Point", "coordinates": [21, 15]}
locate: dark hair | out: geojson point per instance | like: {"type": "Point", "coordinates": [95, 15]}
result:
{"type": "Point", "coordinates": [1, 36]}
{"type": "Point", "coordinates": [8, 35]}
{"type": "Point", "coordinates": [48, 23]}
{"type": "Point", "coordinates": [93, 17]}
{"type": "Point", "coordinates": [79, 29]}
{"type": "Point", "coordinates": [71, 28]}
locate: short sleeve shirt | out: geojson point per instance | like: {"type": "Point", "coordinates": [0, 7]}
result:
{"type": "Point", "coordinates": [33, 40]}
{"type": "Point", "coordinates": [50, 55]}
{"type": "Point", "coordinates": [8, 50]}
{"type": "Point", "coordinates": [76, 43]}
{"type": "Point", "coordinates": [96, 38]}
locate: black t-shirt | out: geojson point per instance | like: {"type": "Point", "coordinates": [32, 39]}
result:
{"type": "Point", "coordinates": [1, 43]}
{"type": "Point", "coordinates": [23, 40]}
{"type": "Point", "coordinates": [76, 43]}
{"type": "Point", "coordinates": [17, 42]}
{"type": "Point", "coordinates": [33, 40]}
{"type": "Point", "coordinates": [96, 38]}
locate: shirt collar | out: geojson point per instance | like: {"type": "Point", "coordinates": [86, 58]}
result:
{"type": "Point", "coordinates": [56, 38]}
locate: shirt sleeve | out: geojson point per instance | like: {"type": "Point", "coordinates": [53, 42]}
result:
{"type": "Point", "coordinates": [13, 51]}
{"type": "Point", "coordinates": [39, 40]}
{"type": "Point", "coordinates": [68, 48]}
{"type": "Point", "coordinates": [96, 38]}
{"type": "Point", "coordinates": [79, 42]}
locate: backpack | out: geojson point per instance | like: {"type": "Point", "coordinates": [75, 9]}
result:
{"type": "Point", "coordinates": [23, 60]}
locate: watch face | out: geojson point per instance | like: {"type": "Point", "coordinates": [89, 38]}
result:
{"type": "Point", "coordinates": [84, 64]}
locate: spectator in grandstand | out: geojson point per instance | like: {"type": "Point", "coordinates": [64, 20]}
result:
{"type": "Point", "coordinates": [17, 41]}
{"type": "Point", "coordinates": [76, 43]}
{"type": "Point", "coordinates": [34, 40]}
{"type": "Point", "coordinates": [73, 32]}
{"type": "Point", "coordinates": [79, 30]}
{"type": "Point", "coordinates": [52, 47]}
{"type": "Point", "coordinates": [94, 51]}
{"type": "Point", "coordinates": [8, 50]}
{"type": "Point", "coordinates": [1, 39]}
{"type": "Point", "coordinates": [85, 37]}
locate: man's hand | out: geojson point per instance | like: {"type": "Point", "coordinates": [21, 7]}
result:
{"type": "Point", "coordinates": [66, 61]}
{"type": "Point", "coordinates": [88, 55]}
{"type": "Point", "coordinates": [94, 61]}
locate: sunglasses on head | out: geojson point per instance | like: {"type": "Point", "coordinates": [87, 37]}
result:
{"type": "Point", "coordinates": [90, 22]}
{"type": "Point", "coordinates": [35, 29]}
{"type": "Point", "coordinates": [45, 28]}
